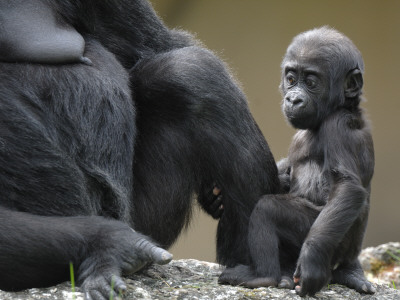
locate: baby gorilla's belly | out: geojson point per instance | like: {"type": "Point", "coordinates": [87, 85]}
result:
{"type": "Point", "coordinates": [308, 181]}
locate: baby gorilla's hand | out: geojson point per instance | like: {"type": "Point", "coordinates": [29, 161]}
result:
{"type": "Point", "coordinates": [311, 274]}
{"type": "Point", "coordinates": [211, 201]}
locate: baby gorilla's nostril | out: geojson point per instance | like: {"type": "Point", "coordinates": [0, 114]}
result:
{"type": "Point", "coordinates": [294, 100]}
{"type": "Point", "coordinates": [297, 101]}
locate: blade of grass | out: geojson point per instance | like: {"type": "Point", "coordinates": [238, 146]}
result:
{"type": "Point", "coordinates": [396, 257]}
{"type": "Point", "coordinates": [112, 288]}
{"type": "Point", "coordinates": [71, 272]}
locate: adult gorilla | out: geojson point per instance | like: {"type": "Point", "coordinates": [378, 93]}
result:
{"type": "Point", "coordinates": [124, 140]}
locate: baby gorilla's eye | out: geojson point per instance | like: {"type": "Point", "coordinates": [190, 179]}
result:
{"type": "Point", "coordinates": [310, 83]}
{"type": "Point", "coordinates": [291, 80]}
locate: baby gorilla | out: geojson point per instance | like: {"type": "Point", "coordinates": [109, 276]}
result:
{"type": "Point", "coordinates": [315, 229]}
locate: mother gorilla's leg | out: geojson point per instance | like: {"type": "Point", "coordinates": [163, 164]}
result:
{"type": "Point", "coordinates": [66, 152]}
{"type": "Point", "coordinates": [195, 130]}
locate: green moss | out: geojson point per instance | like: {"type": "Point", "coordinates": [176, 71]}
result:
{"type": "Point", "coordinates": [376, 266]}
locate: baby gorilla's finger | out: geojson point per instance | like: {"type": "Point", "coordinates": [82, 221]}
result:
{"type": "Point", "coordinates": [297, 274]}
{"type": "Point", "coordinates": [298, 289]}
{"type": "Point", "coordinates": [216, 191]}
{"type": "Point", "coordinates": [217, 207]}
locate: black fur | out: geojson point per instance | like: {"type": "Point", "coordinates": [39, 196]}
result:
{"type": "Point", "coordinates": [88, 152]}
{"type": "Point", "coordinates": [315, 230]}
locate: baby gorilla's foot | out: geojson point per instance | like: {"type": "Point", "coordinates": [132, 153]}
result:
{"type": "Point", "coordinates": [286, 283]}
{"type": "Point", "coordinates": [261, 282]}
{"type": "Point", "coordinates": [244, 276]}
{"type": "Point", "coordinates": [352, 276]}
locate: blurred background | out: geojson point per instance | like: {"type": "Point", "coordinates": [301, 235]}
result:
{"type": "Point", "coordinates": [252, 37]}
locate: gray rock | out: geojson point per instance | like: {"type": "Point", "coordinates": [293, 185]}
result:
{"type": "Point", "coordinates": [382, 263]}
{"type": "Point", "coordinates": [192, 279]}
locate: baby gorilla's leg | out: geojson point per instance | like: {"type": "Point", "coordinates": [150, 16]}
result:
{"type": "Point", "coordinates": [274, 242]}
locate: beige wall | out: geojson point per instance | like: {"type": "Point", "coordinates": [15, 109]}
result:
{"type": "Point", "coordinates": [252, 36]}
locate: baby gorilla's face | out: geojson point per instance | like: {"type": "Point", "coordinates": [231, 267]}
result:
{"type": "Point", "coordinates": [305, 89]}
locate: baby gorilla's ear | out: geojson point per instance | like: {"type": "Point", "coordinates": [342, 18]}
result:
{"type": "Point", "coordinates": [353, 84]}
{"type": "Point", "coordinates": [33, 32]}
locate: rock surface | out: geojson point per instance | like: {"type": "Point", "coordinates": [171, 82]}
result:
{"type": "Point", "coordinates": [192, 279]}
{"type": "Point", "coordinates": [382, 264]}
